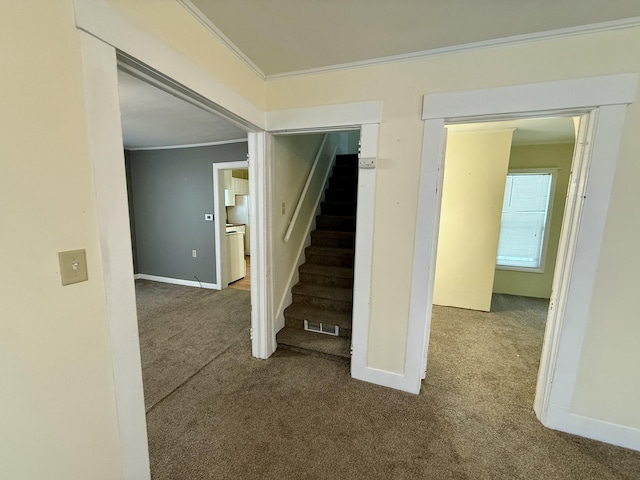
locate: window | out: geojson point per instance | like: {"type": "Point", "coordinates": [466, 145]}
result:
{"type": "Point", "coordinates": [525, 220]}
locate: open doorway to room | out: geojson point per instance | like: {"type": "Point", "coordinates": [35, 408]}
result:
{"type": "Point", "coordinates": [600, 103]}
{"type": "Point", "coordinates": [186, 325]}
{"type": "Point", "coordinates": [503, 199]}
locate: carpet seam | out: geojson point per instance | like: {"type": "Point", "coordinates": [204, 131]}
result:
{"type": "Point", "coordinates": [187, 380]}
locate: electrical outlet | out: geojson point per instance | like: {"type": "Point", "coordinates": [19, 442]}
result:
{"type": "Point", "coordinates": [283, 209]}
{"type": "Point", "coordinates": [194, 253]}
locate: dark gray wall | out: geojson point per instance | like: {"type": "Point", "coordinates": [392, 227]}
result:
{"type": "Point", "coordinates": [132, 215]}
{"type": "Point", "coordinates": [172, 190]}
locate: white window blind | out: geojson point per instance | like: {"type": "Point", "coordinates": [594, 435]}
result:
{"type": "Point", "coordinates": [524, 219]}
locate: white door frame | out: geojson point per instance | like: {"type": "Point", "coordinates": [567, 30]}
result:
{"type": "Point", "coordinates": [602, 102]}
{"type": "Point", "coordinates": [220, 225]}
{"type": "Point", "coordinates": [366, 117]}
{"type": "Point", "coordinates": [108, 31]}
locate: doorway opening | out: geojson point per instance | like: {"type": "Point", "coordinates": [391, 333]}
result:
{"type": "Point", "coordinates": [600, 102]}
{"type": "Point", "coordinates": [503, 199]}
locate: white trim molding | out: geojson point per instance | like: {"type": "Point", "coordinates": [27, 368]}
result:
{"type": "Point", "coordinates": [106, 156]}
{"type": "Point", "coordinates": [190, 145]}
{"type": "Point", "coordinates": [175, 281]}
{"type": "Point", "coordinates": [106, 23]}
{"type": "Point", "coordinates": [220, 216]}
{"type": "Point", "coordinates": [578, 93]}
{"type": "Point", "coordinates": [469, 47]}
{"type": "Point", "coordinates": [326, 116]}
{"type": "Point", "coordinates": [562, 419]}
{"type": "Point", "coordinates": [601, 103]}
{"type": "Point", "coordinates": [209, 25]}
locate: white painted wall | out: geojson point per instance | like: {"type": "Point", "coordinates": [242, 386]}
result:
{"type": "Point", "coordinates": [475, 172]}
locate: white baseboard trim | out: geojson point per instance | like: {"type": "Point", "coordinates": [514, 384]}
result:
{"type": "Point", "coordinates": [384, 378]}
{"type": "Point", "coordinates": [176, 281]}
{"type": "Point", "coordinates": [562, 419]}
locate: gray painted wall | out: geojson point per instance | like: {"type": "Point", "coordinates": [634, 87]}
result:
{"type": "Point", "coordinates": [172, 190]}
{"type": "Point", "coordinates": [132, 216]}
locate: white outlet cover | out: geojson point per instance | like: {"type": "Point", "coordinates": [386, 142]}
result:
{"type": "Point", "coordinates": [208, 217]}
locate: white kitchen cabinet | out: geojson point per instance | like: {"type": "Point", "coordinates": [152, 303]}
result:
{"type": "Point", "coordinates": [229, 190]}
{"type": "Point", "coordinates": [240, 186]}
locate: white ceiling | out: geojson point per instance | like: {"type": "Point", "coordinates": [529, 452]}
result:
{"type": "Point", "coordinates": [527, 131]}
{"type": "Point", "coordinates": [281, 36]}
{"type": "Point", "coordinates": [154, 118]}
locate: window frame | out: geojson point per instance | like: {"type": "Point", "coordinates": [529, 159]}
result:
{"type": "Point", "coordinates": [553, 171]}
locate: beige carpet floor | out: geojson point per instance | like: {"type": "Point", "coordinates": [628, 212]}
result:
{"type": "Point", "coordinates": [299, 417]}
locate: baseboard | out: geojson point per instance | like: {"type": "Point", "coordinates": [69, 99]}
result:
{"type": "Point", "coordinates": [562, 419]}
{"type": "Point", "coordinates": [177, 281]}
{"type": "Point", "coordinates": [384, 378]}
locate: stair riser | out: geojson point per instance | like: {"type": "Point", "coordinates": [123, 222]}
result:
{"type": "Point", "coordinates": [326, 238]}
{"type": "Point", "coordinates": [334, 261]}
{"type": "Point", "coordinates": [348, 160]}
{"type": "Point", "coordinates": [299, 325]}
{"type": "Point", "coordinates": [340, 209]}
{"type": "Point", "coordinates": [338, 224]}
{"type": "Point", "coordinates": [345, 171]}
{"type": "Point", "coordinates": [332, 242]}
{"type": "Point", "coordinates": [344, 282]}
{"type": "Point", "coordinates": [334, 195]}
{"type": "Point", "coordinates": [343, 182]}
{"type": "Point", "coordinates": [341, 305]}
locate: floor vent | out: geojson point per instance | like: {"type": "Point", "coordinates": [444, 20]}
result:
{"type": "Point", "coordinates": [322, 328]}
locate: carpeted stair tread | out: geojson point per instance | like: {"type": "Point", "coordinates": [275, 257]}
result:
{"type": "Point", "coordinates": [333, 234]}
{"type": "Point", "coordinates": [323, 291]}
{"type": "Point", "coordinates": [341, 195]}
{"type": "Point", "coordinates": [347, 159]}
{"type": "Point", "coordinates": [329, 270]}
{"type": "Point", "coordinates": [345, 171]}
{"type": "Point", "coordinates": [298, 312]}
{"type": "Point", "coordinates": [340, 223]}
{"type": "Point", "coordinates": [339, 257]}
{"type": "Point", "coordinates": [338, 208]}
{"type": "Point", "coordinates": [318, 344]}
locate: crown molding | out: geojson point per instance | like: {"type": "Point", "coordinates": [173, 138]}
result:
{"type": "Point", "coordinates": [208, 24]}
{"type": "Point", "coordinates": [191, 145]}
{"type": "Point", "coordinates": [467, 47]}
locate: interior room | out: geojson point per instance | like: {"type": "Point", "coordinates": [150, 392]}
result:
{"type": "Point", "coordinates": [426, 391]}
{"type": "Point", "coordinates": [504, 192]}
{"type": "Point", "coordinates": [185, 319]}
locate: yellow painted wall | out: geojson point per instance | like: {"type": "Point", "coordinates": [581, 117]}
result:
{"type": "Point", "coordinates": [57, 405]}
{"type": "Point", "coordinates": [293, 158]}
{"type": "Point", "coordinates": [58, 412]}
{"type": "Point", "coordinates": [558, 156]}
{"type": "Point", "coordinates": [475, 172]}
{"type": "Point", "coordinates": [174, 25]}
{"type": "Point", "coordinates": [608, 386]}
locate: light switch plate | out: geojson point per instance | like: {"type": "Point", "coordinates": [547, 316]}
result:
{"type": "Point", "coordinates": [208, 217]}
{"type": "Point", "coordinates": [73, 266]}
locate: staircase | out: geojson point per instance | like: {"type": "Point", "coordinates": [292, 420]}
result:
{"type": "Point", "coordinates": [323, 296]}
